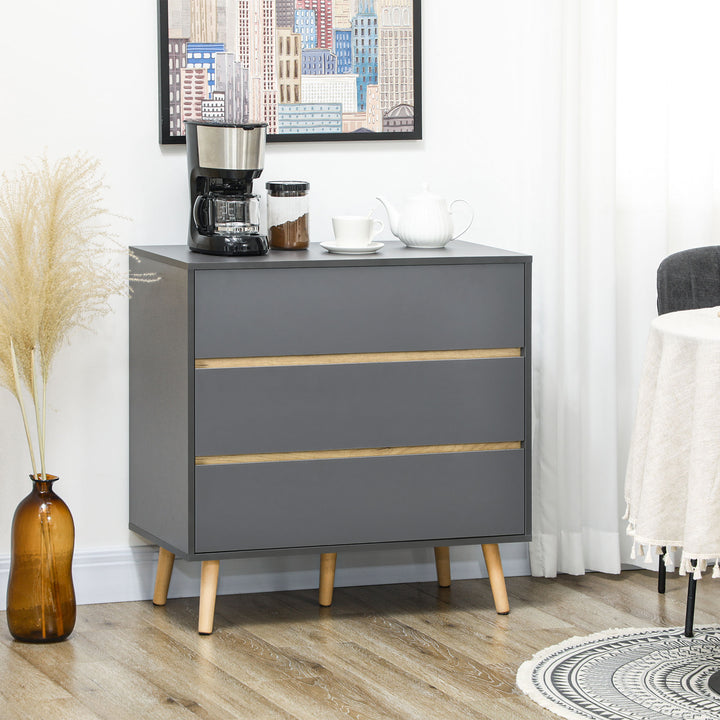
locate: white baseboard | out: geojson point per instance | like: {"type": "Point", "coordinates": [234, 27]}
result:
{"type": "Point", "coordinates": [102, 575]}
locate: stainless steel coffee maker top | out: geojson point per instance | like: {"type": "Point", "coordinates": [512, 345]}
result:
{"type": "Point", "coordinates": [222, 147]}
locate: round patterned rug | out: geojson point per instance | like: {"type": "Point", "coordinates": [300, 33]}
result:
{"type": "Point", "coordinates": [633, 674]}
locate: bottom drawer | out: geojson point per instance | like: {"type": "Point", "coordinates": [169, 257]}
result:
{"type": "Point", "coordinates": [359, 500]}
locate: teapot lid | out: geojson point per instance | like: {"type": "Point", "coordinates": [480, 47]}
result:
{"type": "Point", "coordinates": [426, 195]}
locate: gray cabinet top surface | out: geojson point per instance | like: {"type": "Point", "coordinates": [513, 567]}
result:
{"type": "Point", "coordinates": [393, 253]}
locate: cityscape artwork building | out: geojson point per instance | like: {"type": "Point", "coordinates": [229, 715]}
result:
{"type": "Point", "coordinates": [301, 66]}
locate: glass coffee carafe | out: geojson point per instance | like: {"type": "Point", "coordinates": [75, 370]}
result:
{"type": "Point", "coordinates": [228, 215]}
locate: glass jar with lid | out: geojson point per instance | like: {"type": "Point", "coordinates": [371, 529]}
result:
{"type": "Point", "coordinates": [288, 211]}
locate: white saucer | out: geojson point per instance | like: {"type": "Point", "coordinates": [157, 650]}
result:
{"type": "Point", "coordinates": [350, 250]}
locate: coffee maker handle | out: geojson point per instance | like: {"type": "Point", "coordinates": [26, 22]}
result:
{"type": "Point", "coordinates": [203, 213]}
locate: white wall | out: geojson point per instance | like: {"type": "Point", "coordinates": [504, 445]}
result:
{"type": "Point", "coordinates": [82, 75]}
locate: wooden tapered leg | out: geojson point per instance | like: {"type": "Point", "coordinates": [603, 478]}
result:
{"type": "Point", "coordinates": [327, 578]}
{"type": "Point", "coordinates": [491, 553]}
{"type": "Point", "coordinates": [209, 573]}
{"type": "Point", "coordinates": [162, 576]}
{"type": "Point", "coordinates": [442, 565]}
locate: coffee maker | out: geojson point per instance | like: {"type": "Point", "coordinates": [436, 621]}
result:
{"type": "Point", "coordinates": [223, 160]}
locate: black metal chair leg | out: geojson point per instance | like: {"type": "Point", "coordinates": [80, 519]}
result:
{"type": "Point", "coordinates": [661, 570]}
{"type": "Point", "coordinates": [690, 607]}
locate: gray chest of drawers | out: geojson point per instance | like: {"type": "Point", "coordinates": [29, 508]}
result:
{"type": "Point", "coordinates": [308, 401]}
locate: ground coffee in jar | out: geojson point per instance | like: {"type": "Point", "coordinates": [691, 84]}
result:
{"type": "Point", "coordinates": [288, 206]}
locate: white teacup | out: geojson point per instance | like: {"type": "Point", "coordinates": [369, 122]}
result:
{"type": "Point", "coordinates": [355, 230]}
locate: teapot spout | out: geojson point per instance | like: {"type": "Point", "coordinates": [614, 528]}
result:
{"type": "Point", "coordinates": [392, 214]}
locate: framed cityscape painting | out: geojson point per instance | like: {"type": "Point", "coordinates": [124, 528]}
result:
{"type": "Point", "coordinates": [310, 69]}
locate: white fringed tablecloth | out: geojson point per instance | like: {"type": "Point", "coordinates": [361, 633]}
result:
{"type": "Point", "coordinates": [672, 485]}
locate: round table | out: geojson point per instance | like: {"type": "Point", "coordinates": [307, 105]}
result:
{"type": "Point", "coordinates": [672, 484]}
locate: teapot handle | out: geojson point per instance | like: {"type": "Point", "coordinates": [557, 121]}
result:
{"type": "Point", "coordinates": [472, 215]}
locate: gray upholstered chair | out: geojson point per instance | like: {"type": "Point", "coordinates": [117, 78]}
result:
{"type": "Point", "coordinates": [687, 280]}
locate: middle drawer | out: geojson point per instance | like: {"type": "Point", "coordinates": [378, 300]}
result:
{"type": "Point", "coordinates": [322, 407]}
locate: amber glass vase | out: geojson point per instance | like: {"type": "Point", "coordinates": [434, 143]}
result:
{"type": "Point", "coordinates": [40, 596]}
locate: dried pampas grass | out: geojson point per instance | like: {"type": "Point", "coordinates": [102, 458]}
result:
{"type": "Point", "coordinates": [57, 272]}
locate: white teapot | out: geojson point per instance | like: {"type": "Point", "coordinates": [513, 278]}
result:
{"type": "Point", "coordinates": [425, 221]}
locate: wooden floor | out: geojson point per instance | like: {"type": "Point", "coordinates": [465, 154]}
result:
{"type": "Point", "coordinates": [392, 651]}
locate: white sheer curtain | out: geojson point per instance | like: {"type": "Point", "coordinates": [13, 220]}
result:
{"type": "Point", "coordinates": [623, 156]}
{"type": "Point", "coordinates": [668, 158]}
{"type": "Point", "coordinates": [576, 525]}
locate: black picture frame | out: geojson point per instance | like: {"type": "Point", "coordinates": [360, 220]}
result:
{"type": "Point", "coordinates": [171, 61]}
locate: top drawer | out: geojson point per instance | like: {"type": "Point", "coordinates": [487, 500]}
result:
{"type": "Point", "coordinates": [358, 309]}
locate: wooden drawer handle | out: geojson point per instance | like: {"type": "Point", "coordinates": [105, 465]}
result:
{"type": "Point", "coordinates": [355, 453]}
{"type": "Point", "coordinates": [356, 358]}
